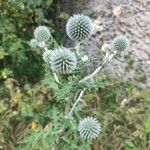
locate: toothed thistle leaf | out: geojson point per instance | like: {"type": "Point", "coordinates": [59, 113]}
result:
{"type": "Point", "coordinates": [89, 128]}
{"type": "Point", "coordinates": [63, 61]}
{"type": "Point", "coordinates": [42, 34]}
{"type": "Point", "coordinates": [79, 27]}
{"type": "Point", "coordinates": [120, 43]}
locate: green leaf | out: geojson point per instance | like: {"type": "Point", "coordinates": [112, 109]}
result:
{"type": "Point", "coordinates": [147, 125]}
{"type": "Point", "coordinates": [2, 53]}
{"type": "Point", "coordinates": [129, 144]}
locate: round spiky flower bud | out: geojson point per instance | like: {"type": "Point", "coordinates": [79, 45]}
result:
{"type": "Point", "coordinates": [42, 34]}
{"type": "Point", "coordinates": [106, 48]}
{"type": "Point", "coordinates": [33, 43]}
{"type": "Point", "coordinates": [89, 128]}
{"type": "Point", "coordinates": [85, 58]}
{"type": "Point", "coordinates": [79, 27]}
{"type": "Point", "coordinates": [120, 43]}
{"type": "Point", "coordinates": [63, 61]}
{"type": "Point", "coordinates": [47, 56]}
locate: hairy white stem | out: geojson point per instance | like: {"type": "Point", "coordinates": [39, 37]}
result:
{"type": "Point", "coordinates": [46, 49]}
{"type": "Point", "coordinates": [62, 130]}
{"type": "Point", "coordinates": [56, 77]}
{"type": "Point", "coordinates": [75, 104]}
{"type": "Point", "coordinates": [106, 59]}
{"type": "Point", "coordinates": [77, 48]}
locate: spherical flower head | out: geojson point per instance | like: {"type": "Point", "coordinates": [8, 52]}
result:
{"type": "Point", "coordinates": [89, 128]}
{"type": "Point", "coordinates": [120, 43]}
{"type": "Point", "coordinates": [47, 56]}
{"type": "Point", "coordinates": [106, 48]}
{"type": "Point", "coordinates": [42, 34]}
{"type": "Point", "coordinates": [33, 43]}
{"type": "Point", "coordinates": [79, 27]}
{"type": "Point", "coordinates": [85, 58]}
{"type": "Point", "coordinates": [63, 61]}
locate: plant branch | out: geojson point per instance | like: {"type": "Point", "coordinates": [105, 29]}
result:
{"type": "Point", "coordinates": [46, 49]}
{"type": "Point", "coordinates": [56, 77]}
{"type": "Point", "coordinates": [75, 104]}
{"type": "Point", "coordinates": [106, 59]}
{"type": "Point", "coordinates": [77, 47]}
{"type": "Point", "coordinates": [62, 130]}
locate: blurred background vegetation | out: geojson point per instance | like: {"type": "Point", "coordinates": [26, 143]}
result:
{"type": "Point", "coordinates": [25, 100]}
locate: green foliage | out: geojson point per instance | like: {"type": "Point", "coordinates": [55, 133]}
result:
{"type": "Point", "coordinates": [123, 127]}
{"type": "Point", "coordinates": [18, 18]}
{"type": "Point", "coordinates": [31, 118]}
{"type": "Point", "coordinates": [45, 138]}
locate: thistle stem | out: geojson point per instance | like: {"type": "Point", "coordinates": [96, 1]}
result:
{"type": "Point", "coordinates": [62, 130]}
{"type": "Point", "coordinates": [75, 104]}
{"type": "Point", "coordinates": [56, 77]}
{"type": "Point", "coordinates": [78, 48]}
{"type": "Point", "coordinates": [46, 49]}
{"type": "Point", "coordinates": [106, 59]}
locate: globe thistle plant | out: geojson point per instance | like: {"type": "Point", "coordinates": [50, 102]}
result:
{"type": "Point", "coordinates": [42, 34]}
{"type": "Point", "coordinates": [33, 43]}
{"type": "Point", "coordinates": [120, 43]}
{"type": "Point", "coordinates": [63, 61]}
{"type": "Point", "coordinates": [89, 128]}
{"type": "Point", "coordinates": [79, 27]}
{"type": "Point", "coordinates": [70, 88]}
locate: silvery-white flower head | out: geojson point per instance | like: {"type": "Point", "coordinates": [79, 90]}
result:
{"type": "Point", "coordinates": [120, 43]}
{"type": "Point", "coordinates": [42, 44]}
{"type": "Point", "coordinates": [47, 56]}
{"type": "Point", "coordinates": [33, 43]}
{"type": "Point", "coordinates": [79, 27]}
{"type": "Point", "coordinates": [89, 128]}
{"type": "Point", "coordinates": [106, 48]}
{"type": "Point", "coordinates": [85, 58]}
{"type": "Point", "coordinates": [42, 34]}
{"type": "Point", "coordinates": [63, 61]}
